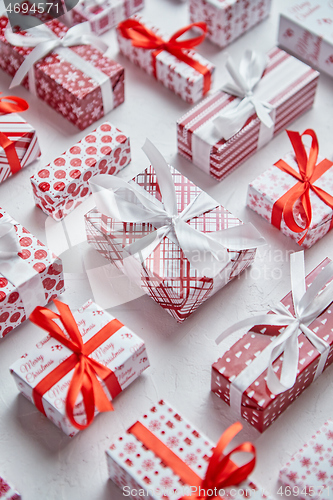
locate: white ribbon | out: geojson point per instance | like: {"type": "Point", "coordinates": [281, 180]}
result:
{"type": "Point", "coordinates": [24, 277]}
{"type": "Point", "coordinates": [128, 202]}
{"type": "Point", "coordinates": [308, 305]}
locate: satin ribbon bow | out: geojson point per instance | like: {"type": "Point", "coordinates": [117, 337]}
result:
{"type": "Point", "coordinates": [86, 370]}
{"type": "Point", "coordinates": [246, 79]}
{"type": "Point", "coordinates": [128, 202]}
{"type": "Point", "coordinates": [144, 38]}
{"type": "Point", "coordinates": [308, 305]}
{"type": "Point", "coordinates": [309, 172]}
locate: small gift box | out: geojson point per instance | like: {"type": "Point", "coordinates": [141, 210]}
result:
{"type": "Point", "coordinates": [308, 474]}
{"type": "Point", "coordinates": [30, 274]}
{"type": "Point", "coordinates": [63, 184]}
{"type": "Point", "coordinates": [71, 74]}
{"type": "Point", "coordinates": [261, 374]}
{"type": "Point", "coordinates": [226, 21]}
{"type": "Point", "coordinates": [75, 372]}
{"type": "Point", "coordinates": [18, 139]}
{"type": "Point", "coordinates": [104, 15]}
{"type": "Point", "coordinates": [169, 237]}
{"type": "Point", "coordinates": [268, 93]}
{"type": "Point", "coordinates": [172, 62]}
{"type": "Point", "coordinates": [7, 492]}
{"type": "Point", "coordinates": [296, 194]}
{"type": "Point", "coordinates": [306, 30]}
{"type": "Point", "coordinates": [163, 456]}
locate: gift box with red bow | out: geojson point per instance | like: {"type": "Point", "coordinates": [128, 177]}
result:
{"type": "Point", "coordinates": [64, 67]}
{"type": "Point", "coordinates": [173, 62]}
{"type": "Point", "coordinates": [30, 274]}
{"type": "Point", "coordinates": [266, 94]}
{"type": "Point", "coordinates": [63, 184]}
{"type": "Point", "coordinates": [296, 193]}
{"type": "Point", "coordinates": [75, 372]}
{"type": "Point", "coordinates": [7, 492]}
{"type": "Point", "coordinates": [261, 374]}
{"type": "Point", "coordinates": [226, 21]}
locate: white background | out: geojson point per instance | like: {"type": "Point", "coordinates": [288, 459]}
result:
{"type": "Point", "coordinates": [34, 454]}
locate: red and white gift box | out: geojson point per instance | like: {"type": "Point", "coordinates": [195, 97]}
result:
{"type": "Point", "coordinates": [38, 280]}
{"type": "Point", "coordinates": [306, 30]}
{"type": "Point", "coordinates": [228, 19]}
{"type": "Point", "coordinates": [308, 474]}
{"type": "Point", "coordinates": [178, 76]}
{"type": "Point", "coordinates": [287, 85]}
{"type": "Point", "coordinates": [7, 492]}
{"type": "Point", "coordinates": [79, 82]}
{"type": "Point", "coordinates": [123, 352]}
{"type": "Point", "coordinates": [63, 184]}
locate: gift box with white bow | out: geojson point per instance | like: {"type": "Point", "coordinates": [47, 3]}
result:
{"type": "Point", "coordinates": [63, 184]}
{"type": "Point", "coordinates": [30, 274]}
{"type": "Point", "coordinates": [7, 492]}
{"type": "Point", "coordinates": [168, 236]}
{"type": "Point", "coordinates": [261, 374]}
{"type": "Point", "coordinates": [228, 20]}
{"type": "Point", "coordinates": [265, 95]}
{"type": "Point", "coordinates": [64, 67]}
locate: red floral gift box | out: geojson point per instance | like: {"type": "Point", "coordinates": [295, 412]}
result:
{"type": "Point", "coordinates": [30, 274]}
{"type": "Point", "coordinates": [261, 374]}
{"type": "Point", "coordinates": [63, 184]}
{"type": "Point", "coordinates": [169, 237]}
{"type": "Point", "coordinates": [64, 67]}
{"type": "Point", "coordinates": [75, 372]}
{"type": "Point", "coordinates": [7, 492]}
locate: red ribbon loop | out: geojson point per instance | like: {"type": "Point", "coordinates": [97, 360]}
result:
{"type": "Point", "coordinates": [87, 371]}
{"type": "Point", "coordinates": [12, 104]}
{"type": "Point", "coordinates": [309, 172]}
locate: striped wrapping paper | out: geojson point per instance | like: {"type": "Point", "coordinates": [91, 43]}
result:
{"type": "Point", "coordinates": [288, 85]}
{"type": "Point", "coordinates": [26, 143]}
{"type": "Point", "coordinates": [7, 492]}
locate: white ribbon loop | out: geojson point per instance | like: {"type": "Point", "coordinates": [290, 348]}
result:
{"type": "Point", "coordinates": [128, 202]}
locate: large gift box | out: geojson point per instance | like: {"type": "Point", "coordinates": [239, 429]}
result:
{"type": "Point", "coordinates": [168, 236]}
{"type": "Point", "coordinates": [30, 274]}
{"type": "Point", "coordinates": [163, 456]}
{"type": "Point", "coordinates": [224, 130]}
{"type": "Point", "coordinates": [296, 193]}
{"type": "Point", "coordinates": [74, 78]}
{"type": "Point", "coordinates": [63, 184]}
{"type": "Point", "coordinates": [7, 492]}
{"type": "Point", "coordinates": [75, 372]}
{"type": "Point", "coordinates": [308, 473]}
{"type": "Point", "coordinates": [172, 62]}
{"type": "Point", "coordinates": [228, 19]}
{"type": "Point", "coordinates": [261, 374]}
{"type": "Point", "coordinates": [306, 30]}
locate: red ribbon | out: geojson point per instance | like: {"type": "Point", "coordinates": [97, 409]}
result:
{"type": "Point", "coordinates": [309, 172]}
{"type": "Point", "coordinates": [11, 104]}
{"type": "Point", "coordinates": [86, 370]}
{"type": "Point", "coordinates": [221, 471]}
{"type": "Point", "coordinates": [144, 38]}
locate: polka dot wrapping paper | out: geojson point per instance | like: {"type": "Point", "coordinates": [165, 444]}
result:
{"type": "Point", "coordinates": [7, 492]}
{"type": "Point", "coordinates": [63, 184]}
{"type": "Point", "coordinates": [258, 405]}
{"type": "Point", "coordinates": [47, 265]}
{"type": "Point", "coordinates": [309, 472]}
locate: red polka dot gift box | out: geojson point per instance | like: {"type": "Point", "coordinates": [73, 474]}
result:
{"type": "Point", "coordinates": [62, 185]}
{"type": "Point", "coordinates": [30, 274]}
{"type": "Point", "coordinates": [86, 360]}
{"type": "Point", "coordinates": [7, 492]}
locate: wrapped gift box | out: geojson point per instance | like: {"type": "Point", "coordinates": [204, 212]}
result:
{"type": "Point", "coordinates": [308, 474]}
{"type": "Point", "coordinates": [173, 73]}
{"type": "Point", "coordinates": [259, 406]}
{"type": "Point", "coordinates": [288, 85]}
{"type": "Point", "coordinates": [64, 86]}
{"type": "Point", "coordinates": [38, 264]}
{"type": "Point", "coordinates": [306, 30]}
{"type": "Point", "coordinates": [63, 184]}
{"type": "Point", "coordinates": [227, 20]}
{"type": "Point", "coordinates": [7, 492]}
{"type": "Point", "coordinates": [123, 352]}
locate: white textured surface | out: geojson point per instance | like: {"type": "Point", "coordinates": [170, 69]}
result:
{"type": "Point", "coordinates": [34, 455]}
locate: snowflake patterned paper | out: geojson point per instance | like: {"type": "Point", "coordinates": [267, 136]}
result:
{"type": "Point", "coordinates": [7, 492]}
{"type": "Point", "coordinates": [309, 472]}
{"type": "Point", "coordinates": [228, 19]}
{"type": "Point", "coordinates": [64, 183]}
